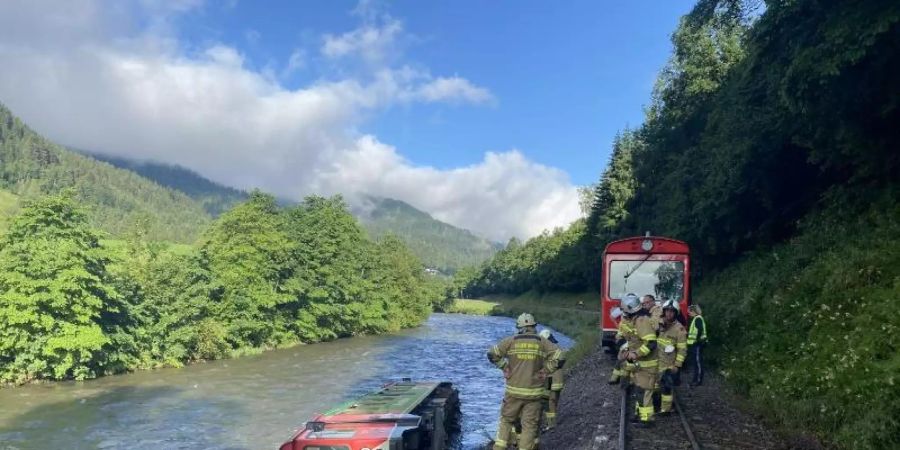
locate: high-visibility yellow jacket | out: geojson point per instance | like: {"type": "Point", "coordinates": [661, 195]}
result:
{"type": "Point", "coordinates": [529, 360]}
{"type": "Point", "coordinates": [671, 345]}
{"type": "Point", "coordinates": [697, 331]}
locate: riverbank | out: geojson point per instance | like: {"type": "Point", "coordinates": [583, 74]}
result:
{"type": "Point", "coordinates": [573, 314]}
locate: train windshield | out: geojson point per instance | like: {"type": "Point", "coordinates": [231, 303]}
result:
{"type": "Point", "coordinates": [662, 279]}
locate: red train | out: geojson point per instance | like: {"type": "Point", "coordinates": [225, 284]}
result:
{"type": "Point", "coordinates": [643, 265]}
{"type": "Point", "coordinates": [404, 415]}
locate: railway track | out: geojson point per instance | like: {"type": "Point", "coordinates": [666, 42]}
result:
{"type": "Point", "coordinates": [671, 432]}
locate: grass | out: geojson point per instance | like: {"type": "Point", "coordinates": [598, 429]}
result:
{"type": "Point", "coordinates": [809, 330]}
{"type": "Point", "coordinates": [560, 311]}
{"type": "Point", "coordinates": [472, 307]}
{"type": "Point", "coordinates": [9, 204]}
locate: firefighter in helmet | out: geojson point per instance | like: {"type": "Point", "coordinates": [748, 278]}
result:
{"type": "Point", "coordinates": [638, 355]}
{"type": "Point", "coordinates": [671, 350]}
{"type": "Point", "coordinates": [527, 360]}
{"type": "Point", "coordinates": [553, 385]}
{"type": "Point", "coordinates": [619, 368]}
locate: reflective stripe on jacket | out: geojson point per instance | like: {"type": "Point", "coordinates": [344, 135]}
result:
{"type": "Point", "coordinates": [674, 337]}
{"type": "Point", "coordinates": [530, 359]}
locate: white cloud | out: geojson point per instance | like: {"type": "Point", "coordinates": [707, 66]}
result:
{"type": "Point", "coordinates": [373, 42]}
{"type": "Point", "coordinates": [94, 80]}
{"type": "Point", "coordinates": [454, 89]}
{"type": "Point", "coordinates": [296, 62]}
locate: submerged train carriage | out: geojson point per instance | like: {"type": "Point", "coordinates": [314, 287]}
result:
{"type": "Point", "coordinates": [404, 415]}
{"type": "Point", "coordinates": [643, 265]}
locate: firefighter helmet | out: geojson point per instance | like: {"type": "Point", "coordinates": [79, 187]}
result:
{"type": "Point", "coordinates": [546, 334]}
{"type": "Point", "coordinates": [525, 320]}
{"type": "Point", "coordinates": [670, 304]}
{"type": "Point", "coordinates": [631, 304]}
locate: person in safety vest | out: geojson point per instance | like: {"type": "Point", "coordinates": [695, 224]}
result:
{"type": "Point", "coordinates": [671, 350]}
{"type": "Point", "coordinates": [527, 360]}
{"type": "Point", "coordinates": [638, 356]}
{"type": "Point", "coordinates": [553, 385]}
{"type": "Point", "coordinates": [696, 340]}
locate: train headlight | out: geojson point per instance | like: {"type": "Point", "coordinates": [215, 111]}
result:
{"type": "Point", "coordinates": [647, 245]}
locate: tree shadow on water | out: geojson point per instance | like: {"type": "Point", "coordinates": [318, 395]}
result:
{"type": "Point", "coordinates": [134, 417]}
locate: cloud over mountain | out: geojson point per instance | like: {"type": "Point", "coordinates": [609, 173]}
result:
{"type": "Point", "coordinates": [113, 77]}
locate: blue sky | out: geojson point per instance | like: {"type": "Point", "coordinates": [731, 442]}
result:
{"type": "Point", "coordinates": [566, 77]}
{"type": "Point", "coordinates": [487, 115]}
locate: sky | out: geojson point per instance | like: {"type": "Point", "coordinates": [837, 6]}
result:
{"type": "Point", "coordinates": [487, 115]}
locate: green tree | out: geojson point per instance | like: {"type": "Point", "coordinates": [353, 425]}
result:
{"type": "Point", "coordinates": [58, 304]}
{"type": "Point", "coordinates": [248, 255]}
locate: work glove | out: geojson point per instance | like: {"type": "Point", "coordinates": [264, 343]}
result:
{"type": "Point", "coordinates": [669, 349]}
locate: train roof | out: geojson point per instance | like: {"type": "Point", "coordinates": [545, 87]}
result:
{"type": "Point", "coordinates": [394, 399]}
{"type": "Point", "coordinates": [660, 245]}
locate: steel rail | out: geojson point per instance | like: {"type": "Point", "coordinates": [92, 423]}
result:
{"type": "Point", "coordinates": [686, 425]}
{"type": "Point", "coordinates": [623, 423]}
{"type": "Point", "coordinates": [623, 418]}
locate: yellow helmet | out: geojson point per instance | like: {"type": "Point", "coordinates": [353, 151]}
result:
{"type": "Point", "coordinates": [525, 320]}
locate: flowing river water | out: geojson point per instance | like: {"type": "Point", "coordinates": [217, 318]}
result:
{"type": "Point", "coordinates": [255, 402]}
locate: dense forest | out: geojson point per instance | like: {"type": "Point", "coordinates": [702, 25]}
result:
{"type": "Point", "coordinates": [214, 197]}
{"type": "Point", "coordinates": [32, 166]}
{"type": "Point", "coordinates": [770, 145]}
{"type": "Point", "coordinates": [76, 306]}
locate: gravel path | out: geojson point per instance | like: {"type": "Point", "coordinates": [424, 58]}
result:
{"type": "Point", "coordinates": [589, 417]}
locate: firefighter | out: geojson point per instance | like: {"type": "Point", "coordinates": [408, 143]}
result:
{"type": "Point", "coordinates": [619, 370]}
{"type": "Point", "coordinates": [671, 350]}
{"type": "Point", "coordinates": [696, 340]}
{"type": "Point", "coordinates": [527, 360]}
{"type": "Point", "coordinates": [639, 357]}
{"type": "Point", "coordinates": [648, 302]}
{"type": "Point", "coordinates": [554, 386]}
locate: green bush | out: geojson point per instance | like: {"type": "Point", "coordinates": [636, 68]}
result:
{"type": "Point", "coordinates": [809, 330]}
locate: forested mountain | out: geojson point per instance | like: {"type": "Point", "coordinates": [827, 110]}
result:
{"type": "Point", "coordinates": [215, 198]}
{"type": "Point", "coordinates": [438, 244]}
{"type": "Point", "coordinates": [32, 166]}
{"type": "Point", "coordinates": [771, 147]}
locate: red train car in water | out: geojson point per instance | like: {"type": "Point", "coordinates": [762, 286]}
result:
{"type": "Point", "coordinates": [404, 415]}
{"type": "Point", "coordinates": [654, 265]}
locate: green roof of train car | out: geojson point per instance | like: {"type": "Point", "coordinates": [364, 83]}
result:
{"type": "Point", "coordinates": [398, 398]}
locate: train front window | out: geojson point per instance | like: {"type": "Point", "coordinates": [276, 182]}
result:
{"type": "Point", "coordinates": [662, 279]}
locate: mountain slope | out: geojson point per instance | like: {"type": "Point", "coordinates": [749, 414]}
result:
{"type": "Point", "coordinates": [31, 166]}
{"type": "Point", "coordinates": [438, 244]}
{"type": "Point", "coordinates": [214, 197]}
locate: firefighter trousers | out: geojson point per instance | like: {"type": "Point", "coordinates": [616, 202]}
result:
{"type": "Point", "coordinates": [552, 403]}
{"type": "Point", "coordinates": [528, 413]}
{"type": "Point", "coordinates": [665, 392]}
{"type": "Point", "coordinates": [644, 380]}
{"type": "Point", "coordinates": [695, 360]}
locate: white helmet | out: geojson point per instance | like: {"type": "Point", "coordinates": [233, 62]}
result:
{"type": "Point", "coordinates": [670, 304]}
{"type": "Point", "coordinates": [525, 320]}
{"type": "Point", "coordinates": [631, 304]}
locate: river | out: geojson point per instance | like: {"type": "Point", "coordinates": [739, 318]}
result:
{"type": "Point", "coordinates": [255, 402]}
